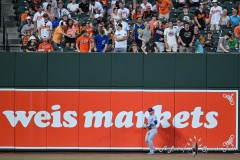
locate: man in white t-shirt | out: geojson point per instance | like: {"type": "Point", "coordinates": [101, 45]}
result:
{"type": "Point", "coordinates": [124, 12]}
{"type": "Point", "coordinates": [215, 16]}
{"type": "Point", "coordinates": [38, 16]}
{"type": "Point", "coordinates": [125, 25]}
{"type": "Point", "coordinates": [73, 7]}
{"type": "Point", "coordinates": [170, 38]}
{"type": "Point", "coordinates": [120, 40]}
{"type": "Point", "coordinates": [44, 27]}
{"type": "Point", "coordinates": [95, 8]}
{"type": "Point", "coordinates": [145, 4]}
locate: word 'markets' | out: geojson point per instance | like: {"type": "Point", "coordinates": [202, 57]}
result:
{"type": "Point", "coordinates": [124, 119]}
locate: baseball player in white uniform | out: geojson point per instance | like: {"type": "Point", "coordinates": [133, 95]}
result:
{"type": "Point", "coordinates": [152, 130]}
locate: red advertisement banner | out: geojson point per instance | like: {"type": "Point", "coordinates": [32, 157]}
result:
{"type": "Point", "coordinates": [113, 119]}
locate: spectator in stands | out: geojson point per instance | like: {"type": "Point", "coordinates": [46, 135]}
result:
{"type": "Point", "coordinates": [120, 40]}
{"type": "Point", "coordinates": [25, 40]}
{"type": "Point", "coordinates": [84, 43]}
{"type": "Point", "coordinates": [53, 4]}
{"type": "Point", "coordinates": [64, 18]}
{"type": "Point", "coordinates": [95, 8]}
{"type": "Point", "coordinates": [145, 5]}
{"type": "Point", "coordinates": [111, 42]}
{"type": "Point", "coordinates": [232, 42]}
{"type": "Point", "coordinates": [137, 13]}
{"type": "Point", "coordinates": [200, 17]}
{"type": "Point", "coordinates": [105, 7]}
{"type": "Point", "coordinates": [199, 44]}
{"type": "Point", "coordinates": [170, 38]}
{"type": "Point", "coordinates": [151, 24]}
{"type": "Point", "coordinates": [149, 47]}
{"type": "Point", "coordinates": [58, 35]}
{"type": "Point", "coordinates": [125, 25]}
{"type": "Point", "coordinates": [71, 31]}
{"type": "Point", "coordinates": [148, 13]}
{"type": "Point", "coordinates": [89, 29]}
{"type": "Point", "coordinates": [215, 16]}
{"type": "Point", "coordinates": [146, 34]}
{"type": "Point", "coordinates": [27, 27]}
{"type": "Point", "coordinates": [25, 14]}
{"type": "Point", "coordinates": [84, 7]}
{"type": "Point", "coordinates": [124, 12]}
{"type": "Point", "coordinates": [209, 41]}
{"type": "Point", "coordinates": [159, 35]}
{"type": "Point", "coordinates": [35, 4]}
{"type": "Point", "coordinates": [238, 8]}
{"type": "Point", "coordinates": [45, 46]}
{"type": "Point", "coordinates": [134, 48]}
{"type": "Point", "coordinates": [115, 15]}
{"type": "Point", "coordinates": [62, 11]}
{"type": "Point", "coordinates": [196, 31]}
{"type": "Point", "coordinates": [54, 22]}
{"type": "Point", "coordinates": [32, 45]}
{"type": "Point", "coordinates": [44, 27]}
{"type": "Point", "coordinates": [73, 6]}
{"type": "Point", "coordinates": [237, 32]}
{"type": "Point", "coordinates": [38, 16]}
{"type": "Point", "coordinates": [186, 38]}
{"type": "Point", "coordinates": [136, 29]}
{"type": "Point", "coordinates": [193, 3]}
{"type": "Point", "coordinates": [223, 43]}
{"type": "Point", "coordinates": [48, 10]}
{"type": "Point", "coordinates": [180, 3]}
{"type": "Point", "coordinates": [108, 29]}
{"type": "Point", "coordinates": [225, 19]}
{"type": "Point", "coordinates": [178, 27]}
{"type": "Point", "coordinates": [186, 16]}
{"type": "Point", "coordinates": [164, 8]}
{"type": "Point", "coordinates": [234, 18]}
{"type": "Point", "coordinates": [130, 8]}
{"type": "Point", "coordinates": [101, 42]}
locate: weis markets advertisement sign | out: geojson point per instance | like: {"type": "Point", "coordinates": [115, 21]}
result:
{"type": "Point", "coordinates": [113, 119]}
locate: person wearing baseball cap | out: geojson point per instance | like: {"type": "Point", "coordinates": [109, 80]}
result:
{"type": "Point", "coordinates": [215, 16]}
{"type": "Point", "coordinates": [200, 17]}
{"type": "Point", "coordinates": [58, 34]}
{"type": "Point", "coordinates": [152, 130]}
{"type": "Point", "coordinates": [186, 16]}
{"type": "Point", "coordinates": [223, 43]}
{"type": "Point", "coordinates": [145, 5]}
{"type": "Point", "coordinates": [148, 13]}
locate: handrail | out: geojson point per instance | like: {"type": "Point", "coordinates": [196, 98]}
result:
{"type": "Point", "coordinates": [4, 33]}
{"type": "Point", "coordinates": [1, 14]}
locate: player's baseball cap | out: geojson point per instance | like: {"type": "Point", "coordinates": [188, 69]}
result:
{"type": "Point", "coordinates": [150, 109]}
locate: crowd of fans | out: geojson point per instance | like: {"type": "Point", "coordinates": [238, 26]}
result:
{"type": "Point", "coordinates": [130, 26]}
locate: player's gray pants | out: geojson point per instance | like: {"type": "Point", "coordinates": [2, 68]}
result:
{"type": "Point", "coordinates": [149, 137]}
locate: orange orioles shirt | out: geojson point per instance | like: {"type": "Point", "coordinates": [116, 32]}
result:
{"type": "Point", "coordinates": [163, 6]}
{"type": "Point", "coordinates": [46, 47]}
{"type": "Point", "coordinates": [83, 43]}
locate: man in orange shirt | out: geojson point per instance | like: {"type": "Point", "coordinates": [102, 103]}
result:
{"type": "Point", "coordinates": [58, 34]}
{"type": "Point", "coordinates": [83, 43]}
{"type": "Point", "coordinates": [45, 46]}
{"type": "Point", "coordinates": [164, 7]}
